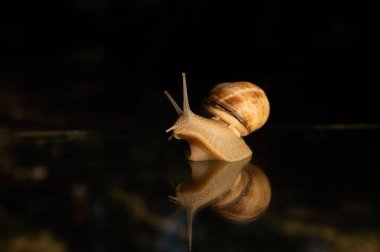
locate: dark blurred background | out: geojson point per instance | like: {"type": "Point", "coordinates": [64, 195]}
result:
{"type": "Point", "coordinates": [84, 161]}
{"type": "Point", "coordinates": [79, 61]}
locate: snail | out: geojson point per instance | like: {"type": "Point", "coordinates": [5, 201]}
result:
{"type": "Point", "coordinates": [238, 191]}
{"type": "Point", "coordinates": [232, 109]}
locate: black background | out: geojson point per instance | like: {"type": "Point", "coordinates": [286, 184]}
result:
{"type": "Point", "coordinates": [85, 60]}
{"type": "Point", "coordinates": [81, 98]}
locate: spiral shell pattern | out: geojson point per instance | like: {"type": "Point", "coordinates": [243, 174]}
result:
{"type": "Point", "coordinates": [243, 105]}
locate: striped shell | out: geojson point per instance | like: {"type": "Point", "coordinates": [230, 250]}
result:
{"type": "Point", "coordinates": [243, 105]}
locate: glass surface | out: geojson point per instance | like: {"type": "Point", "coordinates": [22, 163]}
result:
{"type": "Point", "coordinates": [103, 191]}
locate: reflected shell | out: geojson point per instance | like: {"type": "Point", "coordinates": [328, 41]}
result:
{"type": "Point", "coordinates": [248, 199]}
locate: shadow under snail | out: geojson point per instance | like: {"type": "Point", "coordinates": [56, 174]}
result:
{"type": "Point", "coordinates": [232, 109]}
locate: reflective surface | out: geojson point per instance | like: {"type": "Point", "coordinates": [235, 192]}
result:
{"type": "Point", "coordinates": [103, 191]}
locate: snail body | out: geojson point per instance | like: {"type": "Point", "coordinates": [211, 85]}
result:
{"type": "Point", "coordinates": [235, 110]}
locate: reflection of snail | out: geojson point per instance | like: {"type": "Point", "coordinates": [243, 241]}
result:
{"type": "Point", "coordinates": [248, 198]}
{"type": "Point", "coordinates": [239, 191]}
{"type": "Point", "coordinates": [235, 110]}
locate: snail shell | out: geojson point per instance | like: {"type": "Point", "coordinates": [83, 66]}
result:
{"type": "Point", "coordinates": [243, 105]}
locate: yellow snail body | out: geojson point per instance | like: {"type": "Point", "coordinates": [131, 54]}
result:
{"type": "Point", "coordinates": [236, 109]}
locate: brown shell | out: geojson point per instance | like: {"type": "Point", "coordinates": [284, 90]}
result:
{"type": "Point", "coordinates": [243, 105]}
